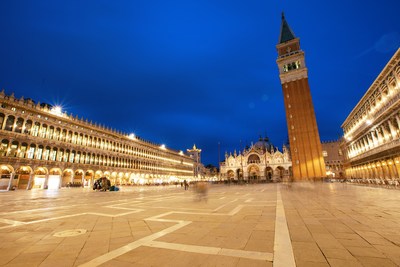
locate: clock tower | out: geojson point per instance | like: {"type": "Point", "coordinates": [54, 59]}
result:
{"type": "Point", "coordinates": [305, 145]}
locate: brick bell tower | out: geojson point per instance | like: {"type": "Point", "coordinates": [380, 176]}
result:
{"type": "Point", "coordinates": [305, 145]}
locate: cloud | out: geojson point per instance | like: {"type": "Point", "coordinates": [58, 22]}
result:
{"type": "Point", "coordinates": [386, 44]}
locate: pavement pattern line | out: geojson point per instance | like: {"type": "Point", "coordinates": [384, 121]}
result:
{"type": "Point", "coordinates": [18, 223]}
{"type": "Point", "coordinates": [283, 250]}
{"type": "Point", "coordinates": [149, 241]}
{"type": "Point", "coordinates": [253, 255]}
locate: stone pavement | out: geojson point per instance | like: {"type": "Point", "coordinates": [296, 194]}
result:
{"type": "Point", "coordinates": [321, 224]}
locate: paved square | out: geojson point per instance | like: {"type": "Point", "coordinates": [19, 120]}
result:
{"type": "Point", "coordinates": [321, 224]}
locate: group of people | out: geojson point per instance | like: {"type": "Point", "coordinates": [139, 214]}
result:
{"type": "Point", "coordinates": [104, 184]}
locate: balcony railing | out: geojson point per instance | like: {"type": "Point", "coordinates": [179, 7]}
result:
{"type": "Point", "coordinates": [376, 150]}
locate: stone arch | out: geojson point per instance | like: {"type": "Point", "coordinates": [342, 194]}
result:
{"type": "Point", "coordinates": [9, 123]}
{"type": "Point", "coordinates": [4, 147]}
{"type": "Point", "coordinates": [230, 175]}
{"type": "Point", "coordinates": [253, 158]}
{"type": "Point", "coordinates": [280, 173]}
{"type": "Point", "coordinates": [67, 177]}
{"type": "Point", "coordinates": [253, 173]}
{"type": "Point", "coordinates": [98, 174]}
{"type": "Point", "coordinates": [6, 173]}
{"type": "Point", "coordinates": [89, 178]}
{"type": "Point", "coordinates": [25, 174]}
{"type": "Point", "coordinates": [39, 179]}
{"type": "Point", "coordinates": [79, 176]}
{"type": "Point", "coordinates": [269, 173]}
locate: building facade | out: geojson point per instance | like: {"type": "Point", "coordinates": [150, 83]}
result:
{"type": "Point", "coordinates": [261, 162]}
{"type": "Point", "coordinates": [305, 144]}
{"type": "Point", "coordinates": [372, 129]}
{"type": "Point", "coordinates": [42, 147]}
{"type": "Point", "coordinates": [333, 158]}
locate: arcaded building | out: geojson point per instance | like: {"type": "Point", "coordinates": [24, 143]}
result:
{"type": "Point", "coordinates": [305, 144]}
{"type": "Point", "coordinates": [42, 147]}
{"type": "Point", "coordinates": [333, 158]}
{"type": "Point", "coordinates": [261, 162]}
{"type": "Point", "coordinates": [372, 129]}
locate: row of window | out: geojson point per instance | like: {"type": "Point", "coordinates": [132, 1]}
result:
{"type": "Point", "coordinates": [23, 150]}
{"type": "Point", "coordinates": [19, 125]}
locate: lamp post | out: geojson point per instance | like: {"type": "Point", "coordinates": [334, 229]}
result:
{"type": "Point", "coordinates": [219, 161]}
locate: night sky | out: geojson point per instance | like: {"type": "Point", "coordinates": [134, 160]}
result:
{"type": "Point", "coordinates": [193, 72]}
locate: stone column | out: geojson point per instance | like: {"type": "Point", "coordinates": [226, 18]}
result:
{"type": "Point", "coordinates": [392, 129]}
{"type": "Point", "coordinates": [386, 135]}
{"type": "Point", "coordinates": [46, 181]}
{"type": "Point", "coordinates": [379, 137]}
{"type": "Point", "coordinates": [398, 122]}
{"type": "Point", "coordinates": [374, 139]}
{"type": "Point", "coordinates": [397, 79]}
{"type": "Point", "coordinates": [30, 181]}
{"type": "Point", "coordinates": [10, 181]}
{"type": "Point", "coordinates": [370, 142]}
{"type": "Point", "coordinates": [396, 163]}
{"type": "Point", "coordinates": [83, 179]}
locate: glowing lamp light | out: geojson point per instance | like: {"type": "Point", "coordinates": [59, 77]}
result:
{"type": "Point", "coordinates": [131, 136]}
{"type": "Point", "coordinates": [57, 110]}
{"type": "Point", "coordinates": [369, 122]}
{"type": "Point", "coordinates": [162, 146]}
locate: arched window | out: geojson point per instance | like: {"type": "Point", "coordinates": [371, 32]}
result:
{"type": "Point", "coordinates": [31, 151]}
{"type": "Point", "coordinates": [69, 137]}
{"type": "Point", "coordinates": [28, 127]}
{"type": "Point", "coordinates": [35, 129]}
{"type": "Point", "coordinates": [43, 131]}
{"type": "Point", "coordinates": [39, 152]}
{"type": "Point", "coordinates": [9, 123]}
{"type": "Point", "coordinates": [74, 138]}
{"type": "Point", "coordinates": [46, 153]}
{"type": "Point", "coordinates": [56, 134]}
{"type": "Point", "coordinates": [72, 156]}
{"type": "Point", "coordinates": [22, 150]}
{"type": "Point", "coordinates": [66, 155]}
{"type": "Point", "coordinates": [83, 157]}
{"type": "Point", "coordinates": [77, 157]}
{"type": "Point", "coordinates": [3, 147]}
{"type": "Point", "coordinates": [18, 125]}
{"type": "Point", "coordinates": [2, 116]}
{"type": "Point", "coordinates": [253, 159]}
{"type": "Point", "coordinates": [60, 156]}
{"type": "Point", "coordinates": [63, 136]}
{"type": "Point", "coordinates": [80, 137]}
{"type": "Point", "coordinates": [53, 154]}
{"type": "Point", "coordinates": [50, 132]}
{"type": "Point", "coordinates": [13, 149]}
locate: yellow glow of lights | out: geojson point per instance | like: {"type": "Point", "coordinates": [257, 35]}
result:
{"type": "Point", "coordinates": [57, 110]}
{"type": "Point", "coordinates": [368, 122]}
{"type": "Point", "coordinates": [131, 136]}
{"type": "Point", "coordinates": [163, 146]}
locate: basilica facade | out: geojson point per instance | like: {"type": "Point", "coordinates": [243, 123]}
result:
{"type": "Point", "coordinates": [261, 162]}
{"type": "Point", "coordinates": [43, 147]}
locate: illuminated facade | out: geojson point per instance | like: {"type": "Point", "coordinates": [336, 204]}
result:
{"type": "Point", "coordinates": [305, 144]}
{"type": "Point", "coordinates": [333, 158]}
{"type": "Point", "coordinates": [41, 147]}
{"type": "Point", "coordinates": [372, 129]}
{"type": "Point", "coordinates": [259, 163]}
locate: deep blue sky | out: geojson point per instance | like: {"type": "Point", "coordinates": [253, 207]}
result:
{"type": "Point", "coordinates": [185, 72]}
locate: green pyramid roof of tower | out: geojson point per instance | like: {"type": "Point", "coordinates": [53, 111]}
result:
{"type": "Point", "coordinates": [286, 32]}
